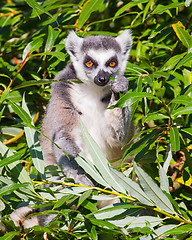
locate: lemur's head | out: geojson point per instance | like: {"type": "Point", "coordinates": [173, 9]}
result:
{"type": "Point", "coordinates": [97, 58]}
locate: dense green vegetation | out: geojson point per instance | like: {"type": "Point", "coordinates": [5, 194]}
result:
{"type": "Point", "coordinates": [32, 51]}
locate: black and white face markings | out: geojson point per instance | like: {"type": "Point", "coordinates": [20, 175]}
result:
{"type": "Point", "coordinates": [97, 58]}
{"type": "Point", "coordinates": [99, 65]}
{"type": "Point", "coordinates": [101, 60]}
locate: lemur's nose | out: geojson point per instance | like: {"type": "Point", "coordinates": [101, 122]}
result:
{"type": "Point", "coordinates": [102, 78]}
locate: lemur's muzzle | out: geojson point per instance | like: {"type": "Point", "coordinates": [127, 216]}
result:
{"type": "Point", "coordinates": [102, 78]}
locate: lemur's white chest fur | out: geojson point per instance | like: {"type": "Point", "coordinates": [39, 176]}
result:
{"type": "Point", "coordinates": [87, 100]}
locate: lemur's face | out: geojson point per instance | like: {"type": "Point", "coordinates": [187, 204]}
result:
{"type": "Point", "coordinates": [99, 65]}
{"type": "Point", "coordinates": [97, 58]}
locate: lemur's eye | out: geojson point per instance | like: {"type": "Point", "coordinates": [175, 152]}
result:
{"type": "Point", "coordinates": [89, 63]}
{"type": "Point", "coordinates": [112, 64]}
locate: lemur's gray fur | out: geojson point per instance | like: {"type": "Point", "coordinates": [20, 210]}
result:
{"type": "Point", "coordinates": [88, 101]}
{"type": "Point", "coordinates": [94, 60]}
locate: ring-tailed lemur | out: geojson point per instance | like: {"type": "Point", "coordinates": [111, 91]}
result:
{"type": "Point", "coordinates": [94, 60]}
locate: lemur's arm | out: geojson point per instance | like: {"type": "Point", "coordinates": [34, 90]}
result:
{"type": "Point", "coordinates": [63, 119]}
{"type": "Point", "coordinates": [119, 118]}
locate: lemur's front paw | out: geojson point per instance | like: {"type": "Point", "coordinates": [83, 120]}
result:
{"type": "Point", "coordinates": [120, 84]}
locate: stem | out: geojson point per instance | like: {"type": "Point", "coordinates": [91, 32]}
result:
{"type": "Point", "coordinates": [74, 225]}
{"type": "Point", "coordinates": [22, 64]}
{"type": "Point", "coordinates": [172, 216]}
{"type": "Point", "coordinates": [14, 139]}
{"type": "Point", "coordinates": [168, 112]}
{"type": "Point", "coordinates": [156, 209]}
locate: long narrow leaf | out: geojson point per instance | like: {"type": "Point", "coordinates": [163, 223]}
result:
{"type": "Point", "coordinates": [183, 99]}
{"type": "Point", "coordinates": [33, 144]}
{"type": "Point", "coordinates": [140, 222]}
{"type": "Point", "coordinates": [33, 83]}
{"type": "Point", "coordinates": [132, 188]}
{"type": "Point", "coordinates": [164, 182]}
{"type": "Point", "coordinates": [131, 98]}
{"type": "Point", "coordinates": [32, 46]}
{"type": "Point", "coordinates": [174, 139]}
{"type": "Point", "coordinates": [11, 159]}
{"type": "Point", "coordinates": [153, 191]}
{"type": "Point", "coordinates": [11, 188]}
{"type": "Point", "coordinates": [90, 169]}
{"type": "Point", "coordinates": [37, 7]}
{"type": "Point", "coordinates": [182, 34]}
{"type": "Point", "coordinates": [182, 111]}
{"type": "Point", "coordinates": [88, 8]}
{"type": "Point", "coordinates": [16, 168]}
{"type": "Point", "coordinates": [21, 113]}
{"type": "Point", "coordinates": [52, 35]}
{"type": "Point", "coordinates": [100, 161]}
{"type": "Point", "coordinates": [168, 157]}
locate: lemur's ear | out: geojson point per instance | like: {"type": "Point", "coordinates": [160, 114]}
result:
{"type": "Point", "coordinates": [73, 44]}
{"type": "Point", "coordinates": [125, 41]}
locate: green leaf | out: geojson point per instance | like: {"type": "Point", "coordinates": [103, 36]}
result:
{"type": "Point", "coordinates": [153, 191]}
{"type": "Point", "coordinates": [88, 8]}
{"type": "Point", "coordinates": [160, 9]}
{"type": "Point", "coordinates": [172, 62]}
{"type": "Point", "coordinates": [135, 69]}
{"type": "Point", "coordinates": [180, 229]}
{"type": "Point", "coordinates": [33, 83]}
{"type": "Point", "coordinates": [164, 182]}
{"type": "Point", "coordinates": [182, 111]}
{"type": "Point", "coordinates": [130, 98]}
{"type": "Point", "coordinates": [183, 99]}
{"type": "Point", "coordinates": [17, 170]}
{"type": "Point", "coordinates": [14, 96]}
{"type": "Point", "coordinates": [9, 235]}
{"type": "Point", "coordinates": [133, 189]}
{"type": "Point", "coordinates": [182, 34]}
{"type": "Point", "coordinates": [90, 169]}
{"type": "Point", "coordinates": [129, 5]}
{"type": "Point", "coordinates": [62, 200]}
{"type": "Point", "coordinates": [33, 144]}
{"type": "Point", "coordinates": [188, 3]}
{"type": "Point", "coordinates": [83, 197]}
{"type": "Point", "coordinates": [2, 207]}
{"type": "Point", "coordinates": [116, 209]}
{"type": "Point", "coordinates": [31, 47]}
{"type": "Point", "coordinates": [11, 188]}
{"type": "Point", "coordinates": [11, 159]}
{"type": "Point", "coordinates": [185, 60]}
{"type": "Point", "coordinates": [1, 113]}
{"type": "Point", "coordinates": [144, 141]}
{"type": "Point", "coordinates": [99, 160]}
{"type": "Point", "coordinates": [52, 35]}
{"type": "Point", "coordinates": [174, 139]}
{"type": "Point", "coordinates": [154, 116]}
{"type": "Point", "coordinates": [187, 130]}
{"type": "Point", "coordinates": [137, 222]}
{"type": "Point", "coordinates": [21, 113]}
{"type": "Point", "coordinates": [59, 55]}
{"type": "Point", "coordinates": [101, 223]}
{"type": "Point", "coordinates": [115, 179]}
{"type": "Point", "coordinates": [35, 149]}
{"type": "Point", "coordinates": [4, 95]}
{"type": "Point", "coordinates": [91, 231]}
{"type": "Point", "coordinates": [168, 157]}
{"type": "Point", "coordinates": [165, 75]}
{"type": "Point", "coordinates": [146, 10]}
{"type": "Point", "coordinates": [37, 7]}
